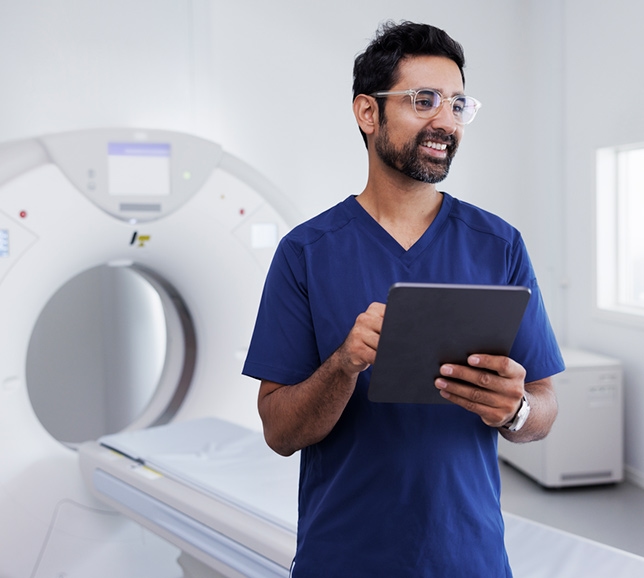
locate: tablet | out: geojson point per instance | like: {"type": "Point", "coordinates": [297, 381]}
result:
{"type": "Point", "coordinates": [427, 325]}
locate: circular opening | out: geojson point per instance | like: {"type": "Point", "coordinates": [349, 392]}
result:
{"type": "Point", "coordinates": [111, 350]}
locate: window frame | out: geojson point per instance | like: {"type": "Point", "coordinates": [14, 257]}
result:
{"type": "Point", "coordinates": [609, 236]}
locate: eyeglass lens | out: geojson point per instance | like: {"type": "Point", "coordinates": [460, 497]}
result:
{"type": "Point", "coordinates": [428, 102]}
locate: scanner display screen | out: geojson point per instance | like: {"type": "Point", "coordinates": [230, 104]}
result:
{"type": "Point", "coordinates": [138, 169]}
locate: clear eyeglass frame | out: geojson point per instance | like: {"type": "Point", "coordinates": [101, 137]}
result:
{"type": "Point", "coordinates": [427, 103]}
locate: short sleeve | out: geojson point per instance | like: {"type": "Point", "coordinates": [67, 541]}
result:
{"type": "Point", "coordinates": [535, 346]}
{"type": "Point", "coordinates": [283, 347]}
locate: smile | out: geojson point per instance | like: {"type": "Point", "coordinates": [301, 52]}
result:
{"type": "Point", "coordinates": [434, 145]}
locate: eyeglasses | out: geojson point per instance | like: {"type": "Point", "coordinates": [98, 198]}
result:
{"type": "Point", "coordinates": [428, 102]}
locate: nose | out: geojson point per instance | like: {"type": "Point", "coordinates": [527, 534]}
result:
{"type": "Point", "coordinates": [444, 119]}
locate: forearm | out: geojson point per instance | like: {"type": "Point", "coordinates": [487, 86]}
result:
{"type": "Point", "coordinates": [543, 411]}
{"type": "Point", "coordinates": [296, 416]}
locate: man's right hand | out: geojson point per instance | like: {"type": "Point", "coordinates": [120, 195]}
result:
{"type": "Point", "coordinates": [358, 351]}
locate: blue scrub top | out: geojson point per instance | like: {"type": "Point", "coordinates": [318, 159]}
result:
{"type": "Point", "coordinates": [394, 489]}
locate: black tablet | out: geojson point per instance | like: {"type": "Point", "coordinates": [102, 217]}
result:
{"type": "Point", "coordinates": [427, 325]}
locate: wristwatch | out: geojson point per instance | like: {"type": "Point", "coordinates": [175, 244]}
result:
{"type": "Point", "coordinates": [519, 419]}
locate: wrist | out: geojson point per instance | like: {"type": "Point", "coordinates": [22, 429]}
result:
{"type": "Point", "coordinates": [520, 417]}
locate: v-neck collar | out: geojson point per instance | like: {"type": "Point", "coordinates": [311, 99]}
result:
{"type": "Point", "coordinates": [407, 256]}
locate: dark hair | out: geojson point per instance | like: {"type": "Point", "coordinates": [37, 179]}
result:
{"type": "Point", "coordinates": [377, 67]}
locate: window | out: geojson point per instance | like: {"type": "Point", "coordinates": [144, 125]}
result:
{"type": "Point", "coordinates": [620, 229]}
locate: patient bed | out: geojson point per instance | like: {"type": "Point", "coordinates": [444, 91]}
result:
{"type": "Point", "coordinates": [215, 490]}
{"type": "Point", "coordinates": [210, 487]}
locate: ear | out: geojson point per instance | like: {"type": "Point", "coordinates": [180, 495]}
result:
{"type": "Point", "coordinates": [365, 110]}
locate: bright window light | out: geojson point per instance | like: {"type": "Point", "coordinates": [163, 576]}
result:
{"type": "Point", "coordinates": [620, 229]}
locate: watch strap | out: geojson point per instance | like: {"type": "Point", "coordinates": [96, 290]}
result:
{"type": "Point", "coordinates": [519, 419]}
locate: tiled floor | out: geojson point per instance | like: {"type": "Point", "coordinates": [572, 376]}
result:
{"type": "Point", "coordinates": [611, 514]}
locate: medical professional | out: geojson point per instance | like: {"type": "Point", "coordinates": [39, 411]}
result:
{"type": "Point", "coordinates": [398, 490]}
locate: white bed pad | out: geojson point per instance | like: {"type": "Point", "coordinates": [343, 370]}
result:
{"type": "Point", "coordinates": [219, 493]}
{"type": "Point", "coordinates": [539, 551]}
{"type": "Point", "coordinates": [227, 461]}
{"type": "Point", "coordinates": [212, 488]}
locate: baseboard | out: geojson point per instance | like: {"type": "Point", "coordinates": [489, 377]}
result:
{"type": "Point", "coordinates": [634, 476]}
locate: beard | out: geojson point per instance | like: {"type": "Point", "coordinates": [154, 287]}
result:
{"type": "Point", "coordinates": [407, 159]}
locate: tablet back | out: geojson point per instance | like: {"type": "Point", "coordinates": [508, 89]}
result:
{"type": "Point", "coordinates": [426, 325]}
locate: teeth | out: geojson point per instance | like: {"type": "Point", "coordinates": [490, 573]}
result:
{"type": "Point", "coordinates": [435, 145]}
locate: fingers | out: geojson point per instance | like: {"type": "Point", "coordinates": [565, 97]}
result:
{"type": "Point", "coordinates": [377, 310]}
{"type": "Point", "coordinates": [490, 386]}
{"type": "Point", "coordinates": [504, 366]}
{"type": "Point", "coordinates": [358, 351]}
{"type": "Point", "coordinates": [494, 373]}
{"type": "Point", "coordinates": [368, 326]}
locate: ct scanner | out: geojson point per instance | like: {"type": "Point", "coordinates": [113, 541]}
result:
{"type": "Point", "coordinates": [201, 227]}
{"type": "Point", "coordinates": [183, 485]}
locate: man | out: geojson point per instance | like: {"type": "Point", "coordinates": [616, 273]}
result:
{"type": "Point", "coordinates": [398, 490]}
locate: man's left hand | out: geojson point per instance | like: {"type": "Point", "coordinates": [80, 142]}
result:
{"type": "Point", "coordinates": [491, 386]}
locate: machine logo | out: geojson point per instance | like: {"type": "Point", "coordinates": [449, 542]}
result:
{"type": "Point", "coordinates": [140, 239]}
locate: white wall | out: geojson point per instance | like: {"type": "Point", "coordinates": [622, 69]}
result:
{"type": "Point", "coordinates": [271, 82]}
{"type": "Point", "coordinates": [74, 64]}
{"type": "Point", "coordinates": [603, 53]}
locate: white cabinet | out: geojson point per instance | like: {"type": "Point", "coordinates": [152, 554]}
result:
{"type": "Point", "coordinates": [586, 443]}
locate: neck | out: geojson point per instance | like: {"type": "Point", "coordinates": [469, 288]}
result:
{"type": "Point", "coordinates": [403, 207]}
